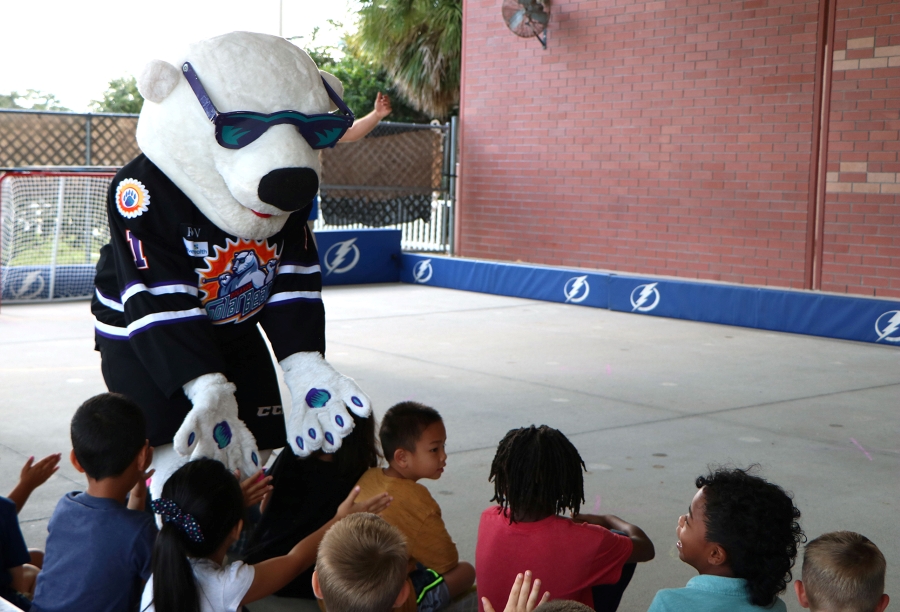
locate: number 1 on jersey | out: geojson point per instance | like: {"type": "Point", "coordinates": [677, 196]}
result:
{"type": "Point", "coordinates": [137, 250]}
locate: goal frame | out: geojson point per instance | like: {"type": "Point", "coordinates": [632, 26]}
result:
{"type": "Point", "coordinates": [107, 172]}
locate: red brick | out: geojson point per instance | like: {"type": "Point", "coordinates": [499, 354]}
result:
{"type": "Point", "coordinates": [673, 137]}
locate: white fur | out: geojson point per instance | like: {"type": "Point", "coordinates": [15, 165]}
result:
{"type": "Point", "coordinates": [212, 397]}
{"type": "Point", "coordinates": [305, 371]}
{"type": "Point", "coordinates": [157, 80]}
{"type": "Point", "coordinates": [166, 461]}
{"type": "Point", "coordinates": [240, 71]}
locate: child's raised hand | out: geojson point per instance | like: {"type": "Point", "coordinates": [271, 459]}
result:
{"type": "Point", "coordinates": [34, 474]}
{"type": "Point", "coordinates": [137, 498]}
{"type": "Point", "coordinates": [373, 505]}
{"type": "Point", "coordinates": [31, 477]}
{"type": "Point", "coordinates": [254, 488]}
{"type": "Point", "coordinates": [523, 597]}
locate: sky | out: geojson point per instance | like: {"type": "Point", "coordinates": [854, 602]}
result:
{"type": "Point", "coordinates": [74, 48]}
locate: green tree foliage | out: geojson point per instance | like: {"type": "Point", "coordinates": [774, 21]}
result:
{"type": "Point", "coordinates": [121, 96]}
{"type": "Point", "coordinates": [362, 80]}
{"type": "Point", "coordinates": [418, 42]}
{"type": "Point", "coordinates": [32, 99]}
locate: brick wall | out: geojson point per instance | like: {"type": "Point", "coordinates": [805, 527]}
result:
{"type": "Point", "coordinates": [862, 221]}
{"type": "Point", "coordinates": [664, 137]}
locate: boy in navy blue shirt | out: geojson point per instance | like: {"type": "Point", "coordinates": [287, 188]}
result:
{"type": "Point", "coordinates": [98, 550]}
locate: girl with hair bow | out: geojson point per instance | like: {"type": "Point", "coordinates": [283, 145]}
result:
{"type": "Point", "coordinates": [202, 510]}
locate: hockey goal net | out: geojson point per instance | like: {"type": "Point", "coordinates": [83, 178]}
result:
{"type": "Point", "coordinates": [52, 225]}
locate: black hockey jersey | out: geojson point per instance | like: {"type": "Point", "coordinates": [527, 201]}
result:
{"type": "Point", "coordinates": [178, 289]}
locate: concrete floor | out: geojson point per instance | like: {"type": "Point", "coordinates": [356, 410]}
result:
{"type": "Point", "coordinates": [649, 403]}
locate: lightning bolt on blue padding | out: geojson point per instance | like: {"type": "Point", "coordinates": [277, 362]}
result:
{"type": "Point", "coordinates": [799, 312]}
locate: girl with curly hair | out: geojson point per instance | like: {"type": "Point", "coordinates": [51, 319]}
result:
{"type": "Point", "coordinates": [741, 534]}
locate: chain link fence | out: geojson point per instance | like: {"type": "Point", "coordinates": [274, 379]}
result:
{"type": "Point", "coordinates": [400, 176]}
{"type": "Point", "coordinates": [46, 138]}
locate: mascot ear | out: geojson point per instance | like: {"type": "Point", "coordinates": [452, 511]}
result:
{"type": "Point", "coordinates": [157, 80]}
{"type": "Point", "coordinates": [335, 84]}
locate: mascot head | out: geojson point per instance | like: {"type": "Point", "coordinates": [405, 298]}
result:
{"type": "Point", "coordinates": [236, 124]}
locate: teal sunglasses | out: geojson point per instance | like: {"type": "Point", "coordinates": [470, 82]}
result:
{"type": "Point", "coordinates": [238, 129]}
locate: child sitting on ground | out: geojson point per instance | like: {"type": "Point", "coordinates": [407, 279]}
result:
{"type": "Point", "coordinates": [202, 508]}
{"type": "Point", "coordinates": [741, 535]}
{"type": "Point", "coordinates": [98, 549]}
{"type": "Point", "coordinates": [19, 565]}
{"type": "Point", "coordinates": [413, 439]}
{"type": "Point", "coordinates": [538, 475]}
{"type": "Point", "coordinates": [842, 571]}
{"type": "Point", "coordinates": [305, 494]}
{"type": "Point", "coordinates": [361, 566]}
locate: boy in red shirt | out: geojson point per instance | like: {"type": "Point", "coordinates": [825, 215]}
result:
{"type": "Point", "coordinates": [537, 475]}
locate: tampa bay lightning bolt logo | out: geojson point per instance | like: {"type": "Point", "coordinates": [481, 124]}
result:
{"type": "Point", "coordinates": [422, 271]}
{"type": "Point", "coordinates": [645, 298]}
{"type": "Point", "coordinates": [341, 257]}
{"type": "Point", "coordinates": [577, 289]}
{"type": "Point", "coordinates": [887, 326]}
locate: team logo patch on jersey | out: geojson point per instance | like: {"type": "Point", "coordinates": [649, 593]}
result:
{"type": "Point", "coordinates": [237, 280]}
{"type": "Point", "coordinates": [132, 198]}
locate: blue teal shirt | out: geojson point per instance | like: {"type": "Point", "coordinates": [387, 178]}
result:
{"type": "Point", "coordinates": [710, 594]}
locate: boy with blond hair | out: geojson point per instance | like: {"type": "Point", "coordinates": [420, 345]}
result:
{"type": "Point", "coordinates": [361, 566]}
{"type": "Point", "coordinates": [413, 439]}
{"type": "Point", "coordinates": [843, 571]}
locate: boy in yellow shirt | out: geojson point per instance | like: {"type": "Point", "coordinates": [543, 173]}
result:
{"type": "Point", "coordinates": [412, 439]}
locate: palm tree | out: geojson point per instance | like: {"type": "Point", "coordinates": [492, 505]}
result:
{"type": "Point", "coordinates": [418, 42]}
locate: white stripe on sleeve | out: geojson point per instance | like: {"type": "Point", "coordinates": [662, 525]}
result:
{"type": "Point", "coordinates": [160, 290]}
{"type": "Point", "coordinates": [111, 330]}
{"type": "Point", "coordinates": [291, 269]}
{"type": "Point", "coordinates": [159, 317]}
{"type": "Point", "coordinates": [295, 295]}
{"type": "Point", "coordinates": [108, 302]}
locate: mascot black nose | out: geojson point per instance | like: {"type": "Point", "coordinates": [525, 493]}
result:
{"type": "Point", "coordinates": [289, 189]}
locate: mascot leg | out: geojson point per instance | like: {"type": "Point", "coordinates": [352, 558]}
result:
{"type": "Point", "coordinates": [165, 461]}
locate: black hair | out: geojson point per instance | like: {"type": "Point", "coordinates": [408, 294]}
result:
{"type": "Point", "coordinates": [358, 451]}
{"type": "Point", "coordinates": [402, 426]}
{"type": "Point", "coordinates": [108, 431]}
{"type": "Point", "coordinates": [755, 521]}
{"type": "Point", "coordinates": [211, 494]}
{"type": "Point", "coordinates": [537, 472]}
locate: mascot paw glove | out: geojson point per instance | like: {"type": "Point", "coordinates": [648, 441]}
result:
{"type": "Point", "coordinates": [212, 427]}
{"type": "Point", "coordinates": [320, 397]}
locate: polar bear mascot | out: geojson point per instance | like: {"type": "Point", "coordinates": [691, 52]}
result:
{"type": "Point", "coordinates": [208, 238]}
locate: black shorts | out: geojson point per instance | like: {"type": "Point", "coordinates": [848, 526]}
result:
{"type": "Point", "coordinates": [249, 367]}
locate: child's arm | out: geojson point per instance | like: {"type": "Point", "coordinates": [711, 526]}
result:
{"type": "Point", "coordinates": [642, 550]}
{"type": "Point", "coordinates": [137, 498]}
{"type": "Point", "coordinates": [273, 574]}
{"type": "Point", "coordinates": [32, 476]}
{"type": "Point", "coordinates": [460, 579]}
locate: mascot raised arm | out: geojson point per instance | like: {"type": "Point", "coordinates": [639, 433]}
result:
{"type": "Point", "coordinates": [208, 238]}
